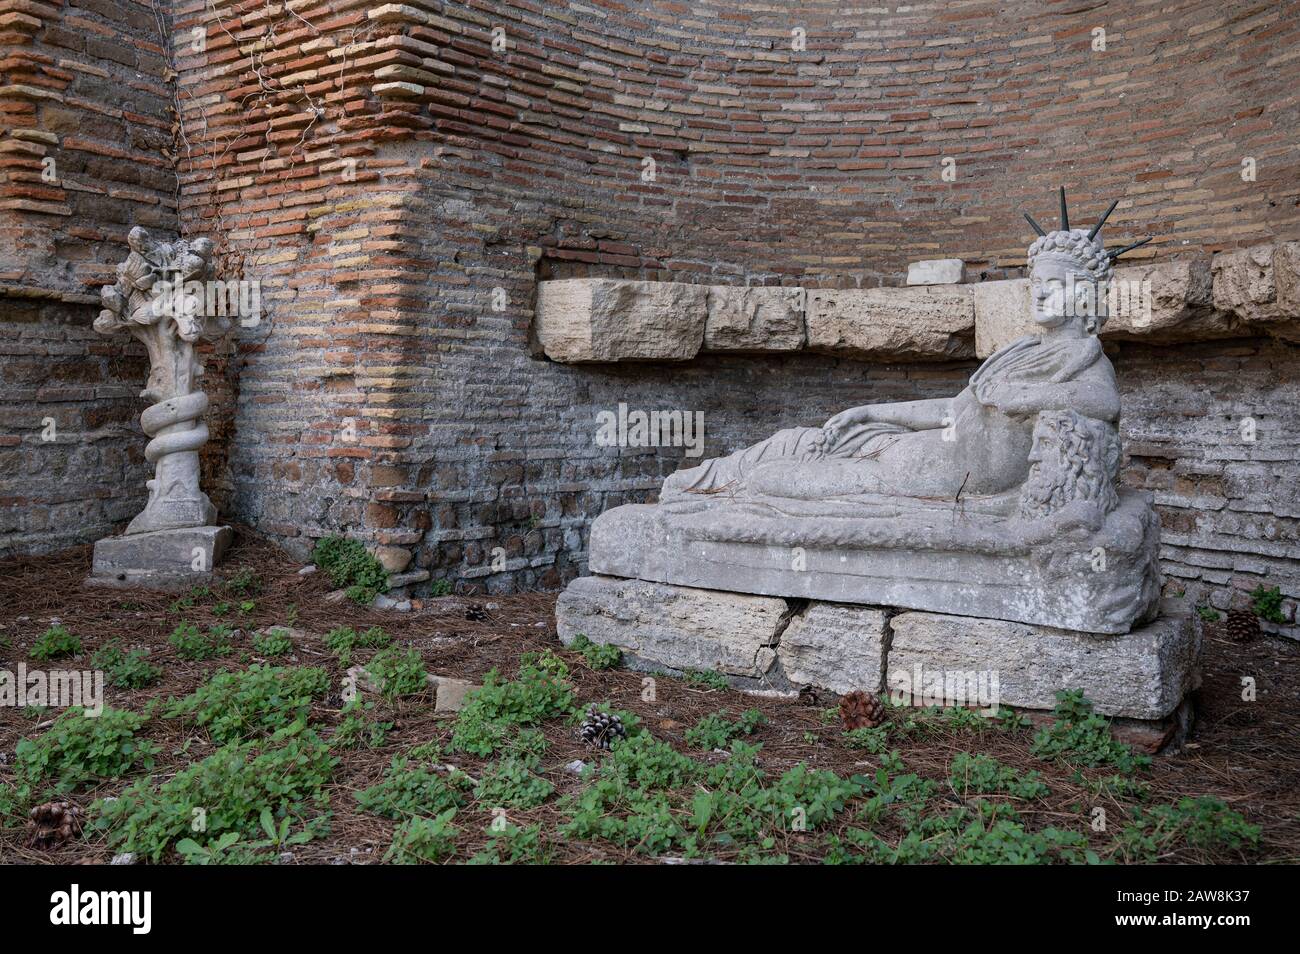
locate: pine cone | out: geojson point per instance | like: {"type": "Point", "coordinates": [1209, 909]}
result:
{"type": "Point", "coordinates": [1242, 626]}
{"type": "Point", "coordinates": [53, 823]}
{"type": "Point", "coordinates": [475, 613]}
{"type": "Point", "coordinates": [861, 710]}
{"type": "Point", "coordinates": [600, 729]}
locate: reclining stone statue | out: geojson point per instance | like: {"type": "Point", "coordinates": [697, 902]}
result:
{"type": "Point", "coordinates": [1000, 502]}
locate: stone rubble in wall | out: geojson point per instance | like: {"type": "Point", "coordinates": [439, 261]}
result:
{"type": "Point", "coordinates": [936, 271]}
{"type": "Point", "coordinates": [581, 320]}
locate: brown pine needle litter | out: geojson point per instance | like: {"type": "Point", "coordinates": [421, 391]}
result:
{"type": "Point", "coordinates": [1244, 753]}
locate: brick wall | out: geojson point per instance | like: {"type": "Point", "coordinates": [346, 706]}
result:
{"type": "Point", "coordinates": [1211, 429]}
{"type": "Point", "coordinates": [383, 171]}
{"type": "Point", "coordinates": [85, 136]}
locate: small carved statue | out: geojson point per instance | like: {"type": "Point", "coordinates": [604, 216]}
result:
{"type": "Point", "coordinates": [155, 299]}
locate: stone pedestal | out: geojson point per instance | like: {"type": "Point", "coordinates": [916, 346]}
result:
{"type": "Point", "coordinates": [927, 658]}
{"type": "Point", "coordinates": [161, 560]}
{"type": "Point", "coordinates": [934, 557]}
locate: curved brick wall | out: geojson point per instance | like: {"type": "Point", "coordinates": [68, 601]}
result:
{"type": "Point", "coordinates": [387, 397]}
{"type": "Point", "coordinates": [84, 122]}
{"type": "Point", "coordinates": [383, 172]}
{"type": "Point", "coordinates": [826, 165]}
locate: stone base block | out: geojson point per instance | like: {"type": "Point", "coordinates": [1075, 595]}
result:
{"type": "Point", "coordinates": [930, 658]}
{"type": "Point", "coordinates": [161, 560]}
{"type": "Point", "coordinates": [1143, 674]}
{"type": "Point", "coordinates": [676, 627]}
{"type": "Point", "coordinates": [921, 558]}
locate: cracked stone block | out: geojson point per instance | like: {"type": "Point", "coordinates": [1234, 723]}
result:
{"type": "Point", "coordinates": [678, 627]}
{"type": "Point", "coordinates": [1243, 281]}
{"type": "Point", "coordinates": [835, 646]}
{"type": "Point", "coordinates": [1261, 285]}
{"type": "Point", "coordinates": [755, 319]}
{"type": "Point", "coordinates": [935, 271]}
{"type": "Point", "coordinates": [1170, 301]}
{"type": "Point", "coordinates": [1143, 674]}
{"type": "Point", "coordinates": [605, 319]}
{"type": "Point", "coordinates": [934, 321]}
{"type": "Point", "coordinates": [1160, 303]}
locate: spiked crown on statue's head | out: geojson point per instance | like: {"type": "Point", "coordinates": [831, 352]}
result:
{"type": "Point", "coordinates": [1082, 247]}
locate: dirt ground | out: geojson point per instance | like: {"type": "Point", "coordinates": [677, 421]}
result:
{"type": "Point", "coordinates": [1244, 753]}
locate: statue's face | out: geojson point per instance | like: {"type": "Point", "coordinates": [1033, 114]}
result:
{"type": "Point", "coordinates": [1061, 292]}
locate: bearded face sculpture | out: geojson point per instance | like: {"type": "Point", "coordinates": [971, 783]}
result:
{"type": "Point", "coordinates": [1074, 462]}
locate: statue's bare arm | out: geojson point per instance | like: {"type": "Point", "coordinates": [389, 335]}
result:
{"type": "Point", "coordinates": [918, 415]}
{"type": "Point", "coordinates": [1088, 396]}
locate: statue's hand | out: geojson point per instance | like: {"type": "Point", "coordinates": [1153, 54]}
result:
{"type": "Point", "coordinates": [841, 421]}
{"type": "Point", "coordinates": [854, 415]}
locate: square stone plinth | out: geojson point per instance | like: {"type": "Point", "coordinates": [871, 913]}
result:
{"type": "Point", "coordinates": [162, 559]}
{"type": "Point", "coordinates": [1143, 674]}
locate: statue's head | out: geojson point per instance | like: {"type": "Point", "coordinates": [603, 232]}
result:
{"type": "Point", "coordinates": [1073, 459]}
{"type": "Point", "coordinates": [1070, 272]}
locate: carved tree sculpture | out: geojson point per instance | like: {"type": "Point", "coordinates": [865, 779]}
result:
{"type": "Point", "coordinates": [152, 299]}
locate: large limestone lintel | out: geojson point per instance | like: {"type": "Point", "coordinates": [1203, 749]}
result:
{"type": "Point", "coordinates": [1143, 674]}
{"type": "Point", "coordinates": [755, 319]}
{"type": "Point", "coordinates": [1242, 292]}
{"type": "Point", "coordinates": [926, 322]}
{"type": "Point", "coordinates": [604, 319]}
{"type": "Point", "coordinates": [1161, 303]}
{"type": "Point", "coordinates": [1261, 285]}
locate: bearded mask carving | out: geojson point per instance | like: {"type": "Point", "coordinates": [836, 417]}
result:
{"type": "Point", "coordinates": [1074, 459]}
